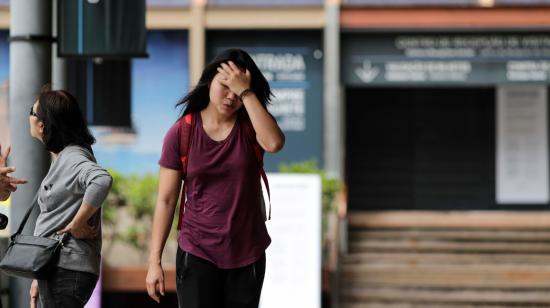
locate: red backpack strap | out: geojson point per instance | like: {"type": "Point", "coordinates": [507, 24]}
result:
{"type": "Point", "coordinates": [187, 123]}
{"type": "Point", "coordinates": [259, 152]}
{"type": "Point", "coordinates": [264, 176]}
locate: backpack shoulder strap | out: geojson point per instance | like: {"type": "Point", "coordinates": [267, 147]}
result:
{"type": "Point", "coordinates": [259, 152]}
{"type": "Point", "coordinates": [187, 123]}
{"type": "Point", "coordinates": [186, 126]}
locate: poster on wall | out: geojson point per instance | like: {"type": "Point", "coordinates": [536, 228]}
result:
{"type": "Point", "coordinates": [522, 145]}
{"type": "Point", "coordinates": [292, 64]}
{"type": "Point", "coordinates": [293, 260]}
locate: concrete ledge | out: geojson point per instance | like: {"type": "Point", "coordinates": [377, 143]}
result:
{"type": "Point", "coordinates": [449, 220]}
{"type": "Point", "coordinates": [167, 18]}
{"type": "Point", "coordinates": [265, 18]}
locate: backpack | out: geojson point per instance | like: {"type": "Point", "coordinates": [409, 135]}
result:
{"type": "Point", "coordinates": [187, 123]}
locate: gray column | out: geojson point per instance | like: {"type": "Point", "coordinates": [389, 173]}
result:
{"type": "Point", "coordinates": [334, 134]}
{"type": "Point", "coordinates": [59, 65]}
{"type": "Point", "coordinates": [30, 69]}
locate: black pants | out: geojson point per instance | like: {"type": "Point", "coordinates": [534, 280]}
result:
{"type": "Point", "coordinates": [67, 289]}
{"type": "Point", "coordinates": [200, 284]}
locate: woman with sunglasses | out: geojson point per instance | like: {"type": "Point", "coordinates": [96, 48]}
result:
{"type": "Point", "coordinates": [70, 198]}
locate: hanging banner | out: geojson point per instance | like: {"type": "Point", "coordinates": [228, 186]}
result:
{"type": "Point", "coordinates": [522, 145]}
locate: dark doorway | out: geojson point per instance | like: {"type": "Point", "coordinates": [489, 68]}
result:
{"type": "Point", "coordinates": [420, 149]}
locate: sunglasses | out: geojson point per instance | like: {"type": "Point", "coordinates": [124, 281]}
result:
{"type": "Point", "coordinates": [34, 114]}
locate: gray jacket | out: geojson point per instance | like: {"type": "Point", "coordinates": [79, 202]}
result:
{"type": "Point", "coordinates": [74, 179]}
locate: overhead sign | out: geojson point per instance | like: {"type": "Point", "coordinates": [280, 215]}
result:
{"type": "Point", "coordinates": [102, 28]}
{"type": "Point", "coordinates": [461, 58]}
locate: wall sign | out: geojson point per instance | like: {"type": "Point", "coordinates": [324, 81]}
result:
{"type": "Point", "coordinates": [467, 58]}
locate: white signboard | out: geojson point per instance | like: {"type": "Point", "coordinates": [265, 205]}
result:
{"type": "Point", "coordinates": [522, 145]}
{"type": "Point", "coordinates": [293, 260]}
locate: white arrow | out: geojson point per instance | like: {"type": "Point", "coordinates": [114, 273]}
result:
{"type": "Point", "coordinates": [367, 72]}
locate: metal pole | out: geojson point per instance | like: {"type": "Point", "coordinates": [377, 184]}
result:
{"type": "Point", "coordinates": [334, 143]}
{"type": "Point", "coordinates": [59, 65]}
{"type": "Point", "coordinates": [30, 69]}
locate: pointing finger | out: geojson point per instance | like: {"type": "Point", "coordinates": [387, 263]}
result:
{"type": "Point", "coordinates": [17, 181]}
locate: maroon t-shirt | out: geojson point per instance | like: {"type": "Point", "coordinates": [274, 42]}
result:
{"type": "Point", "coordinates": [223, 222]}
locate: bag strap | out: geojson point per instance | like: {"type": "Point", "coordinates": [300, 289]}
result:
{"type": "Point", "coordinates": [27, 214]}
{"type": "Point", "coordinates": [187, 124]}
{"type": "Point", "coordinates": [260, 159]}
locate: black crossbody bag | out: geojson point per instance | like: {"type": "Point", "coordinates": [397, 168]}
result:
{"type": "Point", "coordinates": [31, 256]}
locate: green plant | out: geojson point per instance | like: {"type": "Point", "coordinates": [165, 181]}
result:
{"type": "Point", "coordinates": [330, 185]}
{"type": "Point", "coordinates": [115, 199]}
{"type": "Point", "coordinates": [137, 236]}
{"type": "Point", "coordinates": [128, 210]}
{"type": "Point", "coordinates": [141, 194]}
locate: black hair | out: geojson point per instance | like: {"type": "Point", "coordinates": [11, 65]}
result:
{"type": "Point", "coordinates": [63, 121]}
{"type": "Point", "coordinates": [198, 98]}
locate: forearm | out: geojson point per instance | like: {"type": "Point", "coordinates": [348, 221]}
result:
{"type": "Point", "coordinates": [268, 133]}
{"type": "Point", "coordinates": [85, 212]}
{"type": "Point", "coordinates": [96, 192]}
{"type": "Point", "coordinates": [162, 223]}
{"type": "Point", "coordinates": [169, 190]}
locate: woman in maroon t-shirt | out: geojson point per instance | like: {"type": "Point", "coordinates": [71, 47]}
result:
{"type": "Point", "coordinates": [221, 256]}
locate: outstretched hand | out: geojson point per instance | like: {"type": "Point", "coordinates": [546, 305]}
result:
{"type": "Point", "coordinates": [8, 184]}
